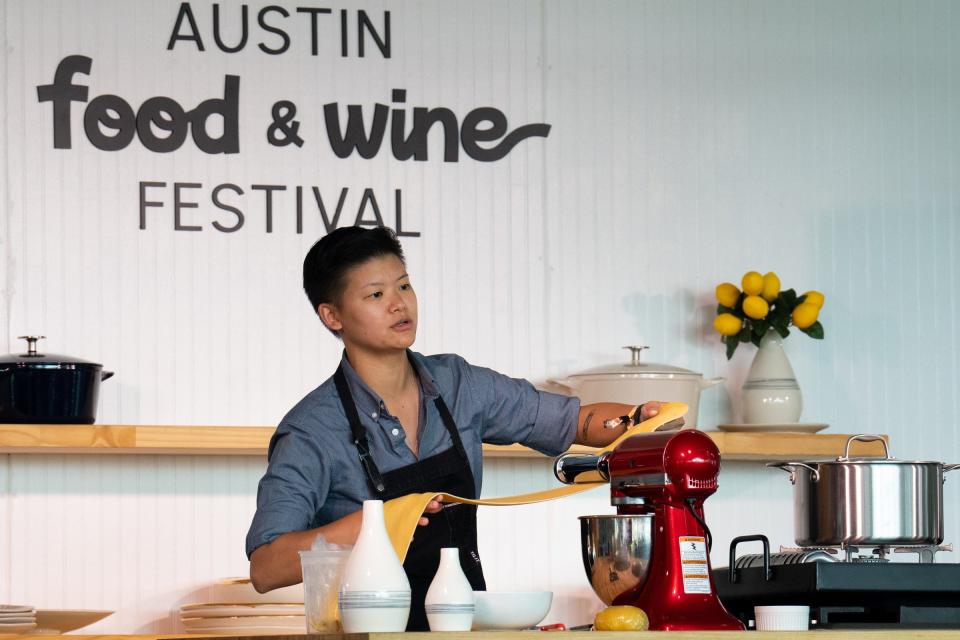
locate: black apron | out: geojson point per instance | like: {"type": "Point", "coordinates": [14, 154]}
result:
{"type": "Point", "coordinates": [449, 472]}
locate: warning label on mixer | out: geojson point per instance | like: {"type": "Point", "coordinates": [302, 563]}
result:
{"type": "Point", "coordinates": [693, 560]}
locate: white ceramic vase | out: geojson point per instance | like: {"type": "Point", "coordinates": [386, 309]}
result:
{"type": "Point", "coordinates": [450, 603]}
{"type": "Point", "coordinates": [375, 591]}
{"type": "Point", "coordinates": [770, 393]}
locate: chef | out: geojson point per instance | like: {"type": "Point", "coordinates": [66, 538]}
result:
{"type": "Point", "coordinates": [390, 422]}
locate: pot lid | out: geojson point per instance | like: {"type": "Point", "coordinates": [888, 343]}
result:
{"type": "Point", "coordinates": [872, 461]}
{"type": "Point", "coordinates": [636, 367]}
{"type": "Point", "coordinates": [34, 357]}
{"type": "Point", "coordinates": [886, 458]}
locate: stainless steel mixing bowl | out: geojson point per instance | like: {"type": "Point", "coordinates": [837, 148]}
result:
{"type": "Point", "coordinates": [617, 551]}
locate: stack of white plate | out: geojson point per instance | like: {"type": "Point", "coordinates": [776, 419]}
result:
{"type": "Point", "coordinates": [54, 622]}
{"type": "Point", "coordinates": [239, 610]}
{"type": "Point", "coordinates": [17, 619]}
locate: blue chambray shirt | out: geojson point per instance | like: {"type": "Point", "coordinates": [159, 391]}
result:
{"type": "Point", "coordinates": [314, 476]}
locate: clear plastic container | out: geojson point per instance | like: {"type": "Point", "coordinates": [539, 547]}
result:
{"type": "Point", "coordinates": [322, 574]}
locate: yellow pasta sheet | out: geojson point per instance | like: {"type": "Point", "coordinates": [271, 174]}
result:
{"type": "Point", "coordinates": [401, 515]}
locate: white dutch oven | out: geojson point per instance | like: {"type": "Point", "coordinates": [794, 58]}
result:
{"type": "Point", "coordinates": [636, 382]}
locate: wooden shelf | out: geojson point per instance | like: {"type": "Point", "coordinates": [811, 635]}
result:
{"type": "Point", "coordinates": [252, 441]}
{"type": "Point", "coordinates": [143, 439]}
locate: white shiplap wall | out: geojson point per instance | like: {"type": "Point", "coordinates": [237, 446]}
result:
{"type": "Point", "coordinates": [691, 142]}
{"type": "Point", "coordinates": [138, 535]}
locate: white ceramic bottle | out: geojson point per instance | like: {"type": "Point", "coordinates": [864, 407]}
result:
{"type": "Point", "coordinates": [449, 603]}
{"type": "Point", "coordinates": [375, 592]}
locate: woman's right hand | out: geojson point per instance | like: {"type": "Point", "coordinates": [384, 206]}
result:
{"type": "Point", "coordinates": [434, 506]}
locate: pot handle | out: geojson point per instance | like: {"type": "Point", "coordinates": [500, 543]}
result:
{"type": "Point", "coordinates": [864, 437]}
{"type": "Point", "coordinates": [767, 573]}
{"type": "Point", "coordinates": [105, 375]}
{"type": "Point", "coordinates": [565, 383]}
{"type": "Point", "coordinates": [791, 468]}
{"type": "Point", "coordinates": [706, 384]}
{"type": "Point", "coordinates": [950, 467]}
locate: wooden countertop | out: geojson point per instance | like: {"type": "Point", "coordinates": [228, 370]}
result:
{"type": "Point", "coordinates": [819, 634]}
{"type": "Point", "coordinates": [253, 440]}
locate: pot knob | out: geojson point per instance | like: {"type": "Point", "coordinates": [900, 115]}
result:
{"type": "Point", "coordinates": [635, 354]}
{"type": "Point", "coordinates": [31, 344]}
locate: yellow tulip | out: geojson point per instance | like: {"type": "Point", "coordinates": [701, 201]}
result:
{"type": "Point", "coordinates": [727, 294]}
{"type": "Point", "coordinates": [815, 298]}
{"type": "Point", "coordinates": [727, 324]}
{"type": "Point", "coordinates": [804, 315]}
{"type": "Point", "coordinates": [752, 283]}
{"type": "Point", "coordinates": [755, 307]}
{"type": "Point", "coordinates": [771, 287]}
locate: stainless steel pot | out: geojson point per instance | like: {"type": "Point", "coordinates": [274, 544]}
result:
{"type": "Point", "coordinates": [865, 501]}
{"type": "Point", "coordinates": [636, 382]}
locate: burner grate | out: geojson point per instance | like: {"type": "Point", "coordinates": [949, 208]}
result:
{"type": "Point", "coordinates": [847, 587]}
{"type": "Point", "coordinates": [855, 595]}
{"type": "Point", "coordinates": [864, 555]}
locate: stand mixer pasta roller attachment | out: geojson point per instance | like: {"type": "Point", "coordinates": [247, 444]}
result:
{"type": "Point", "coordinates": [654, 553]}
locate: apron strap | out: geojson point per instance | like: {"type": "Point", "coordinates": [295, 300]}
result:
{"type": "Point", "coordinates": [359, 435]}
{"type": "Point", "coordinates": [446, 416]}
{"type": "Point", "coordinates": [451, 427]}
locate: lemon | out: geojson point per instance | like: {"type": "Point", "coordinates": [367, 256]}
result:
{"type": "Point", "coordinates": [771, 286]}
{"type": "Point", "coordinates": [727, 294]}
{"type": "Point", "coordinates": [752, 283]}
{"type": "Point", "coordinates": [805, 315]}
{"type": "Point", "coordinates": [622, 618]}
{"type": "Point", "coordinates": [756, 307]}
{"type": "Point", "coordinates": [814, 297]}
{"type": "Point", "coordinates": [727, 324]}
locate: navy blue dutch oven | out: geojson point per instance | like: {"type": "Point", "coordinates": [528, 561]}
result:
{"type": "Point", "coordinates": [38, 388]}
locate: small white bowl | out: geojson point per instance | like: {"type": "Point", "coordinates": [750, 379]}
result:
{"type": "Point", "coordinates": [510, 609]}
{"type": "Point", "coordinates": [782, 618]}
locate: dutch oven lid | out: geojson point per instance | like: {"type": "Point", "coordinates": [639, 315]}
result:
{"type": "Point", "coordinates": [32, 356]}
{"type": "Point", "coordinates": [636, 367]}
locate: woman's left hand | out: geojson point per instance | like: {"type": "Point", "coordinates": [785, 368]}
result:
{"type": "Point", "coordinates": [434, 506]}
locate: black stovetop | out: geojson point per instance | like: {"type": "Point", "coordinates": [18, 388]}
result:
{"type": "Point", "coordinates": [851, 594]}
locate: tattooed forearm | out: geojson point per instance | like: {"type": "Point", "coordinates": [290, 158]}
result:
{"type": "Point", "coordinates": [586, 424]}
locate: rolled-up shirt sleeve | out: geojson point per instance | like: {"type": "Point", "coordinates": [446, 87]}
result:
{"type": "Point", "coordinates": [293, 488]}
{"type": "Point", "coordinates": [514, 411]}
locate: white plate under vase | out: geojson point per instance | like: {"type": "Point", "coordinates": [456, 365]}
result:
{"type": "Point", "coordinates": [770, 427]}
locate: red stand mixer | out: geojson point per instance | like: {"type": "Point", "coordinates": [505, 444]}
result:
{"type": "Point", "coordinates": [654, 553]}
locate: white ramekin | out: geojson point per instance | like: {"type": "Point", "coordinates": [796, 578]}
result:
{"type": "Point", "coordinates": [782, 618]}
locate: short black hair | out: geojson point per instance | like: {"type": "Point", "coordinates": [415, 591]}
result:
{"type": "Point", "coordinates": [332, 256]}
